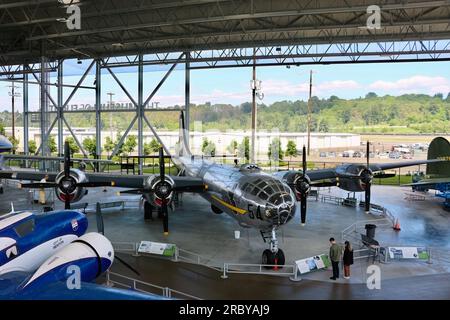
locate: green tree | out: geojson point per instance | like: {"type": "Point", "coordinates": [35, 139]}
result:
{"type": "Point", "coordinates": [72, 146]}
{"type": "Point", "coordinates": [52, 147]}
{"type": "Point", "coordinates": [2, 129]}
{"type": "Point", "coordinates": [232, 147]}
{"type": "Point", "coordinates": [291, 149]}
{"type": "Point", "coordinates": [32, 147]}
{"type": "Point", "coordinates": [154, 145]}
{"type": "Point", "coordinates": [346, 116]}
{"type": "Point", "coordinates": [15, 143]}
{"type": "Point", "coordinates": [275, 151]}
{"type": "Point", "coordinates": [129, 145]}
{"type": "Point", "coordinates": [244, 149]}
{"type": "Point", "coordinates": [90, 145]}
{"type": "Point", "coordinates": [208, 147]}
{"type": "Point", "coordinates": [371, 95]}
{"type": "Point", "coordinates": [109, 145]}
{"type": "Point", "coordinates": [323, 126]}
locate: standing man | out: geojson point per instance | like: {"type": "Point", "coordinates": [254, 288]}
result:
{"type": "Point", "coordinates": [335, 257]}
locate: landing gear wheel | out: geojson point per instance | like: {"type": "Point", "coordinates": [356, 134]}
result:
{"type": "Point", "coordinates": [268, 258]}
{"type": "Point", "coordinates": [280, 258]}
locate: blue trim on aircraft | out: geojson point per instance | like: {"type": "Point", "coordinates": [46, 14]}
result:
{"type": "Point", "coordinates": [88, 272]}
{"type": "Point", "coordinates": [5, 145]}
{"type": "Point", "coordinates": [48, 226]}
{"type": "Point", "coordinates": [9, 284]}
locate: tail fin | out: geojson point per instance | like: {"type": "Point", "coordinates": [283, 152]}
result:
{"type": "Point", "coordinates": [439, 149]}
{"type": "Point", "coordinates": [184, 138]}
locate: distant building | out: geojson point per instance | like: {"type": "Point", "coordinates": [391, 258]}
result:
{"type": "Point", "coordinates": [222, 140]}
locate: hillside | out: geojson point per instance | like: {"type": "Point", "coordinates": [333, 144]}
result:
{"type": "Point", "coordinates": [411, 113]}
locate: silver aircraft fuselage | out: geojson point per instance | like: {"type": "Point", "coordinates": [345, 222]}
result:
{"type": "Point", "coordinates": [255, 199]}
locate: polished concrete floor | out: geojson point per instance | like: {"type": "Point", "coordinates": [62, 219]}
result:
{"type": "Point", "coordinates": [195, 228]}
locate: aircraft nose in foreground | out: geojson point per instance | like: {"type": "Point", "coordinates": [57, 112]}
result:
{"type": "Point", "coordinates": [281, 207]}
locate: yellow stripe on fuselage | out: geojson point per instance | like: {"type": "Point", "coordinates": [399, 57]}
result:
{"type": "Point", "coordinates": [229, 206]}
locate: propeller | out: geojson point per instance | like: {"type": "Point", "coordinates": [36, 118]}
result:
{"type": "Point", "coordinates": [366, 178]}
{"type": "Point", "coordinates": [163, 191]}
{"type": "Point", "coordinates": [67, 184]}
{"type": "Point", "coordinates": [303, 184]}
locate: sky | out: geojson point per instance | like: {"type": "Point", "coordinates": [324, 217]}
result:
{"type": "Point", "coordinates": [232, 85]}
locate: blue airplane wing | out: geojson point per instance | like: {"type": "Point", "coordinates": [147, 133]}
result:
{"type": "Point", "coordinates": [11, 284]}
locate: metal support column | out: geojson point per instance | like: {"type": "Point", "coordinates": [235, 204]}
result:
{"type": "Point", "coordinates": [59, 107]}
{"type": "Point", "coordinates": [44, 108]}
{"type": "Point", "coordinates": [253, 144]}
{"type": "Point", "coordinates": [187, 94]}
{"type": "Point", "coordinates": [25, 112]}
{"type": "Point", "coordinates": [98, 118]}
{"type": "Point", "coordinates": [140, 112]}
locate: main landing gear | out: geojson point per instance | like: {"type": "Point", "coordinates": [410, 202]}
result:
{"type": "Point", "coordinates": [273, 256]}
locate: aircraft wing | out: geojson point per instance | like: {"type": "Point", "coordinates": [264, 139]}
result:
{"type": "Point", "coordinates": [121, 181]}
{"type": "Point", "coordinates": [428, 182]}
{"type": "Point", "coordinates": [26, 175]}
{"type": "Point", "coordinates": [394, 165]}
{"type": "Point", "coordinates": [323, 174]}
{"type": "Point", "coordinates": [20, 157]}
{"type": "Point", "coordinates": [137, 181]}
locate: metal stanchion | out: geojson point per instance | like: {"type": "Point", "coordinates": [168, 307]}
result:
{"type": "Point", "coordinates": [136, 248]}
{"type": "Point", "coordinates": [295, 278]}
{"type": "Point", "coordinates": [224, 275]}
{"type": "Point", "coordinates": [108, 280]}
{"type": "Point", "coordinates": [176, 255]}
{"type": "Point", "coordinates": [429, 256]}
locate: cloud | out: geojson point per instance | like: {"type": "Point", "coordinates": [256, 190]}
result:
{"type": "Point", "coordinates": [414, 84]}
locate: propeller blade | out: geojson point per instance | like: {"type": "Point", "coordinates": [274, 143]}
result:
{"type": "Point", "coordinates": [162, 167]}
{"type": "Point", "coordinates": [304, 160]}
{"type": "Point", "coordinates": [67, 202]}
{"type": "Point", "coordinates": [303, 200]}
{"type": "Point", "coordinates": [367, 197]}
{"type": "Point", "coordinates": [66, 159]}
{"type": "Point", "coordinates": [368, 184]}
{"type": "Point", "coordinates": [39, 185]}
{"type": "Point", "coordinates": [127, 265]}
{"type": "Point", "coordinates": [95, 184]}
{"type": "Point", "coordinates": [165, 213]}
{"type": "Point", "coordinates": [304, 195]}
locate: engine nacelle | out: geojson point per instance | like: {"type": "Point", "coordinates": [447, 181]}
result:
{"type": "Point", "coordinates": [160, 191]}
{"type": "Point", "coordinates": [298, 182]}
{"type": "Point", "coordinates": [84, 259]}
{"type": "Point", "coordinates": [348, 177]}
{"type": "Point", "coordinates": [70, 186]}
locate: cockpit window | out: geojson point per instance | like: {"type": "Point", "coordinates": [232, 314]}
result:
{"type": "Point", "coordinates": [264, 188]}
{"type": "Point", "coordinates": [25, 228]}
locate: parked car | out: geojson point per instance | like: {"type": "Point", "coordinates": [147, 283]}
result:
{"type": "Point", "coordinates": [394, 155]}
{"type": "Point", "coordinates": [358, 154]}
{"type": "Point", "coordinates": [407, 156]}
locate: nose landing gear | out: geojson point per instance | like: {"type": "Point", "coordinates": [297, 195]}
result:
{"type": "Point", "coordinates": [273, 256]}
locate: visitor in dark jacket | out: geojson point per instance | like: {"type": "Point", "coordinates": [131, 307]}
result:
{"type": "Point", "coordinates": [335, 257]}
{"type": "Point", "coordinates": [348, 259]}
